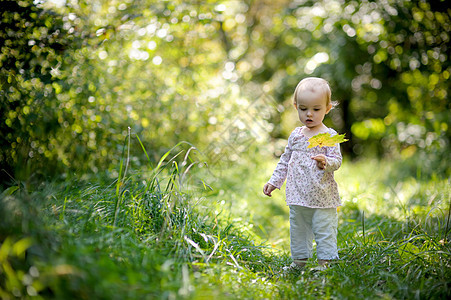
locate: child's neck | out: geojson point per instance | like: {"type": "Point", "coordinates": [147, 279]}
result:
{"type": "Point", "coordinates": [309, 132]}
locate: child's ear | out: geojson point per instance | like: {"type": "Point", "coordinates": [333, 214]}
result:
{"type": "Point", "coordinates": [328, 108]}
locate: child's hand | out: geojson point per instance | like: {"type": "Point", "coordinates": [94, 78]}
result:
{"type": "Point", "coordinates": [268, 188]}
{"type": "Point", "coordinates": [320, 161]}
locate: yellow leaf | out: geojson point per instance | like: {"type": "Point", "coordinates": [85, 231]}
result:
{"type": "Point", "coordinates": [326, 140]}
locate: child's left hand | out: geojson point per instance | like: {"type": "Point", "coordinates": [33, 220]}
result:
{"type": "Point", "coordinates": [320, 161]}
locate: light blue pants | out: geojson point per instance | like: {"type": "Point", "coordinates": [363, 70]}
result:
{"type": "Point", "coordinates": [318, 223]}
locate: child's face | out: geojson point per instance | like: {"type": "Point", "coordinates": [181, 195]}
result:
{"type": "Point", "coordinates": [312, 107]}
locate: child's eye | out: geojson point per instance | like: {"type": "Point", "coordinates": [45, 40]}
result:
{"type": "Point", "coordinates": [316, 109]}
{"type": "Point", "coordinates": [303, 109]}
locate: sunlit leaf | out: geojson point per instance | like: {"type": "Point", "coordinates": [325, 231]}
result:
{"type": "Point", "coordinates": [326, 140]}
{"type": "Point", "coordinates": [21, 246]}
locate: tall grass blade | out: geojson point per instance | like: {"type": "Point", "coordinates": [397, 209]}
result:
{"type": "Point", "coordinates": [195, 245]}
{"type": "Point", "coordinates": [144, 149]}
{"type": "Point", "coordinates": [64, 209]}
{"type": "Point", "coordinates": [119, 181]}
{"type": "Point", "coordinates": [157, 170]}
{"type": "Point", "coordinates": [363, 227]}
{"type": "Point", "coordinates": [447, 221]}
{"type": "Point", "coordinates": [128, 154]}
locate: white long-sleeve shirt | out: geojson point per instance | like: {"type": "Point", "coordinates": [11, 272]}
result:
{"type": "Point", "coordinates": [308, 185]}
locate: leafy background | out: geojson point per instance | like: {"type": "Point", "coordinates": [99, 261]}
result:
{"type": "Point", "coordinates": [75, 75]}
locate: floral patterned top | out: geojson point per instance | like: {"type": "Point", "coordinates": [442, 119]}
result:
{"type": "Point", "coordinates": [308, 185]}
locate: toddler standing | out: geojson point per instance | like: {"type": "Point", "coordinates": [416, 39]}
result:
{"type": "Point", "coordinates": [311, 191]}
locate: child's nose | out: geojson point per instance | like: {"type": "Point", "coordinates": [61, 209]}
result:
{"type": "Point", "coordinates": [309, 112]}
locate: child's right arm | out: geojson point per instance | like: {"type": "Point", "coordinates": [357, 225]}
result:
{"type": "Point", "coordinates": [280, 173]}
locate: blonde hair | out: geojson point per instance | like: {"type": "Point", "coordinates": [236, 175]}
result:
{"type": "Point", "coordinates": [314, 84]}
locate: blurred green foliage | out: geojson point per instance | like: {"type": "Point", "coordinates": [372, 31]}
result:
{"type": "Point", "coordinates": [76, 74]}
{"type": "Point", "coordinates": [32, 43]}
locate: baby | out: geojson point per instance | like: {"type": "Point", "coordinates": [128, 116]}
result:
{"type": "Point", "coordinates": [311, 191]}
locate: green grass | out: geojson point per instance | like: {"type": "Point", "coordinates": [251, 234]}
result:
{"type": "Point", "coordinates": [182, 231]}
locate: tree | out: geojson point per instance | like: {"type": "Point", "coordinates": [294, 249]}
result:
{"type": "Point", "coordinates": [75, 77]}
{"type": "Point", "coordinates": [34, 42]}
